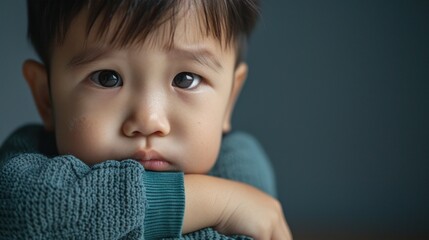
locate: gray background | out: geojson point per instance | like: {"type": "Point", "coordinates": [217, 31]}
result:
{"type": "Point", "coordinates": [337, 95]}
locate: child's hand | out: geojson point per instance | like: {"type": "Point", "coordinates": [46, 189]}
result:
{"type": "Point", "coordinates": [232, 208]}
{"type": "Point", "coordinates": [253, 213]}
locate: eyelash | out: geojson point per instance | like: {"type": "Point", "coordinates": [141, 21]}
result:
{"type": "Point", "coordinates": [195, 81]}
{"type": "Point", "coordinates": [114, 82]}
{"type": "Point", "coordinates": [112, 79]}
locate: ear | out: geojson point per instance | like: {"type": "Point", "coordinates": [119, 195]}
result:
{"type": "Point", "coordinates": [37, 79]}
{"type": "Point", "coordinates": [240, 76]}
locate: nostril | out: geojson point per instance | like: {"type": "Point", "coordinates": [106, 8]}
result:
{"type": "Point", "coordinates": [146, 125]}
{"type": "Point", "coordinates": [160, 133]}
{"type": "Point", "coordinates": [135, 133]}
{"type": "Point", "coordinates": [129, 130]}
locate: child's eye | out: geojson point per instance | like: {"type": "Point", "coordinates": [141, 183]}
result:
{"type": "Point", "coordinates": [186, 80]}
{"type": "Point", "coordinates": [106, 78]}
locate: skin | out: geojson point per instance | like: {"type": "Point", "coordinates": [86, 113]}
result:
{"type": "Point", "coordinates": [148, 114]}
{"type": "Point", "coordinates": [149, 118]}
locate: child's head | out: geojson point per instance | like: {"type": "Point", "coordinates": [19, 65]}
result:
{"type": "Point", "coordinates": [154, 81]}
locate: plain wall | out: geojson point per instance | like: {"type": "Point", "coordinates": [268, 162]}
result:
{"type": "Point", "coordinates": [338, 96]}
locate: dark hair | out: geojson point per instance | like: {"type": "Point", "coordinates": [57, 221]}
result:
{"type": "Point", "coordinates": [229, 21]}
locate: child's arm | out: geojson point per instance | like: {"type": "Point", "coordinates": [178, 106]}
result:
{"type": "Point", "coordinates": [232, 208]}
{"type": "Point", "coordinates": [241, 159]}
{"type": "Point", "coordinates": [61, 197]}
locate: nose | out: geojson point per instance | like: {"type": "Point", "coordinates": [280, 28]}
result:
{"type": "Point", "coordinates": [148, 118]}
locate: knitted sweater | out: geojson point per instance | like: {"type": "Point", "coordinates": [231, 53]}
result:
{"type": "Point", "coordinates": [46, 196]}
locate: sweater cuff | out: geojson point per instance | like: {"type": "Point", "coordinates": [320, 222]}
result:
{"type": "Point", "coordinates": [165, 208]}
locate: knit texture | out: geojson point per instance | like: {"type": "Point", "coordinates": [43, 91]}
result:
{"type": "Point", "coordinates": [61, 197]}
{"type": "Point", "coordinates": [46, 196]}
{"type": "Point", "coordinates": [209, 233]}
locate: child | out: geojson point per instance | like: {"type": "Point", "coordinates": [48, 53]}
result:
{"type": "Point", "coordinates": [131, 94]}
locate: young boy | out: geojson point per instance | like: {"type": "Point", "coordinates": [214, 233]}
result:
{"type": "Point", "coordinates": [131, 94]}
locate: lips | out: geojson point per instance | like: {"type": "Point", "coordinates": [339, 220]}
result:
{"type": "Point", "coordinates": [152, 160]}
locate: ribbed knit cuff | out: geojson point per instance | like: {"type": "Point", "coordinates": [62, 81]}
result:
{"type": "Point", "coordinates": [165, 194]}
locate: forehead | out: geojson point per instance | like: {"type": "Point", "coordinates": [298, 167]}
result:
{"type": "Point", "coordinates": [185, 39]}
{"type": "Point", "coordinates": [185, 22]}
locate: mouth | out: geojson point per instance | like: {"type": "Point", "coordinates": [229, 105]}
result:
{"type": "Point", "coordinates": [152, 160]}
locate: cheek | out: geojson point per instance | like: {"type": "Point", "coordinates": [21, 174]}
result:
{"type": "Point", "coordinates": [83, 126]}
{"type": "Point", "coordinates": [83, 137]}
{"type": "Point", "coordinates": [203, 151]}
{"type": "Point", "coordinates": [204, 138]}
{"type": "Point", "coordinates": [201, 126]}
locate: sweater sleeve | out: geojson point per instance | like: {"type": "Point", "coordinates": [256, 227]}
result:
{"type": "Point", "coordinates": [209, 234]}
{"type": "Point", "coordinates": [61, 197]}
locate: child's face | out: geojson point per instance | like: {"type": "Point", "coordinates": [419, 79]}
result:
{"type": "Point", "coordinates": [165, 107]}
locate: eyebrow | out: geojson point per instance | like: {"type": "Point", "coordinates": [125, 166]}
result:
{"type": "Point", "coordinates": [88, 56]}
{"type": "Point", "coordinates": [200, 55]}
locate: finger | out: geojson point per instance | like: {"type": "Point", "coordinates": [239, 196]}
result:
{"type": "Point", "coordinates": [282, 231]}
{"type": "Point", "coordinates": [286, 229]}
{"type": "Point", "coordinates": [279, 233]}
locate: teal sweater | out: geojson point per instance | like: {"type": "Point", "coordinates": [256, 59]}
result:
{"type": "Point", "coordinates": [46, 196]}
